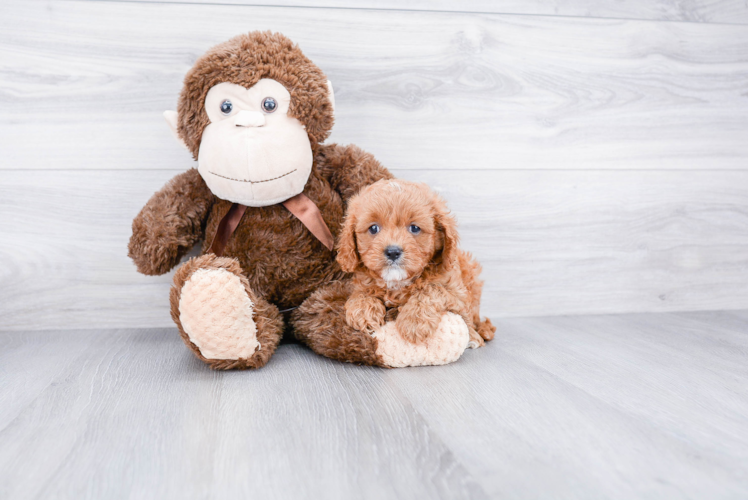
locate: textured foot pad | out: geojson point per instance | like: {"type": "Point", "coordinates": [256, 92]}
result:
{"type": "Point", "coordinates": [216, 314]}
{"type": "Point", "coordinates": [446, 345]}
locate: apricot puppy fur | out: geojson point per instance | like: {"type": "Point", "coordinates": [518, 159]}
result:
{"type": "Point", "coordinates": [401, 244]}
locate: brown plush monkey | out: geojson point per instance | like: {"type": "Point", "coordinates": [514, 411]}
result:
{"type": "Point", "coordinates": [267, 198]}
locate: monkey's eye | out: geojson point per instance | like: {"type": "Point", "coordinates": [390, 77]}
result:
{"type": "Point", "coordinates": [269, 105]}
{"type": "Point", "coordinates": [226, 107]}
{"type": "Point", "coordinates": [373, 229]}
{"type": "Point", "coordinates": [414, 229]}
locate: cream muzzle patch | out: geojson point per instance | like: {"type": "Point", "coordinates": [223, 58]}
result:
{"type": "Point", "coordinates": [252, 152]}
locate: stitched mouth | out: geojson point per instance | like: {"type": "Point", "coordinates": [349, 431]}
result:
{"type": "Point", "coordinates": [253, 182]}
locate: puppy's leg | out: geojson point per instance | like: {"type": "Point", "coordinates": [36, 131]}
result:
{"type": "Point", "coordinates": [421, 315]}
{"type": "Point", "coordinates": [470, 269]}
{"type": "Point", "coordinates": [486, 329]}
{"type": "Point", "coordinates": [364, 312]}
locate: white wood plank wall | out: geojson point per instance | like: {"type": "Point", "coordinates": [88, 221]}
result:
{"type": "Point", "coordinates": [595, 153]}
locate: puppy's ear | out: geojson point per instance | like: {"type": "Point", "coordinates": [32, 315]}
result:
{"type": "Point", "coordinates": [347, 252]}
{"type": "Point", "coordinates": [447, 239]}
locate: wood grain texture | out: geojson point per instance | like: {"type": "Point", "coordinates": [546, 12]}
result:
{"type": "Point", "coordinates": [564, 401]}
{"type": "Point", "coordinates": [551, 242]}
{"type": "Point", "coordinates": [620, 407]}
{"type": "Point", "coordinates": [596, 165]}
{"type": "Point", "coordinates": [699, 11]}
{"type": "Point", "coordinates": [83, 85]}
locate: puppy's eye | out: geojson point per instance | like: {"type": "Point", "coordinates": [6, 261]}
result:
{"type": "Point", "coordinates": [269, 105]}
{"type": "Point", "coordinates": [226, 107]}
{"type": "Point", "coordinates": [373, 229]}
{"type": "Point", "coordinates": [414, 229]}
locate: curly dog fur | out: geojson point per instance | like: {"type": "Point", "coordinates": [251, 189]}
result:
{"type": "Point", "coordinates": [401, 243]}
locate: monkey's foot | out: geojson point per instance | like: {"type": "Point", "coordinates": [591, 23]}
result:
{"type": "Point", "coordinates": [444, 346]}
{"type": "Point", "coordinates": [216, 313]}
{"type": "Point", "coordinates": [219, 317]}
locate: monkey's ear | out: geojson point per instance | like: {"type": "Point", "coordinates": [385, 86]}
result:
{"type": "Point", "coordinates": [172, 120]}
{"type": "Point", "coordinates": [332, 95]}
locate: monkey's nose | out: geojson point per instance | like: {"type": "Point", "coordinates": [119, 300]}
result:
{"type": "Point", "coordinates": [393, 253]}
{"type": "Point", "coordinates": [249, 119]}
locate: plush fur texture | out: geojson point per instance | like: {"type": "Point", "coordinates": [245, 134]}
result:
{"type": "Point", "coordinates": [445, 345]}
{"type": "Point", "coordinates": [320, 323]}
{"type": "Point", "coordinates": [281, 261]}
{"type": "Point", "coordinates": [278, 260]}
{"type": "Point", "coordinates": [267, 318]}
{"type": "Point", "coordinates": [170, 224]}
{"type": "Point", "coordinates": [217, 314]}
{"type": "Point", "coordinates": [244, 60]}
{"type": "Point", "coordinates": [402, 244]}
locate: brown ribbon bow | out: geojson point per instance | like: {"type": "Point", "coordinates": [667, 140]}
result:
{"type": "Point", "coordinates": [300, 206]}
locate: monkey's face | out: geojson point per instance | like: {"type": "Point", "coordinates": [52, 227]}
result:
{"type": "Point", "coordinates": [253, 152]}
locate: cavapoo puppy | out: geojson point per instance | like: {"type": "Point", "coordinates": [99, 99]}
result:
{"type": "Point", "coordinates": [401, 243]}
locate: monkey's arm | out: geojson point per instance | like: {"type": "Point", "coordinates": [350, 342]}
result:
{"type": "Point", "coordinates": [170, 224]}
{"type": "Point", "coordinates": [349, 168]}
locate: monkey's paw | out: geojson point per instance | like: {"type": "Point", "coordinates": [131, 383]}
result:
{"type": "Point", "coordinates": [216, 314]}
{"type": "Point", "coordinates": [443, 346]}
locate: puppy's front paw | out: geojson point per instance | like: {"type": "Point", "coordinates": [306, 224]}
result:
{"type": "Point", "coordinates": [415, 324]}
{"type": "Point", "coordinates": [365, 314]}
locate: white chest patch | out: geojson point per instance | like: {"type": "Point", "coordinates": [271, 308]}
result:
{"type": "Point", "coordinates": [395, 277]}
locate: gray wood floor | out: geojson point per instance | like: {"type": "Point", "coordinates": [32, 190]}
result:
{"type": "Point", "coordinates": [619, 406]}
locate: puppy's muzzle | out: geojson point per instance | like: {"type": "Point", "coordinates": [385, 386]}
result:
{"type": "Point", "coordinates": [393, 253]}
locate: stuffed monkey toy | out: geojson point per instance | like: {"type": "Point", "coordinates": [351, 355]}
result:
{"type": "Point", "coordinates": [268, 198]}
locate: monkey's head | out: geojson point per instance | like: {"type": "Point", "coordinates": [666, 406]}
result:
{"type": "Point", "coordinates": [250, 112]}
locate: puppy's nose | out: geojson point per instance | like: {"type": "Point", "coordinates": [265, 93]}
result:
{"type": "Point", "coordinates": [393, 252]}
